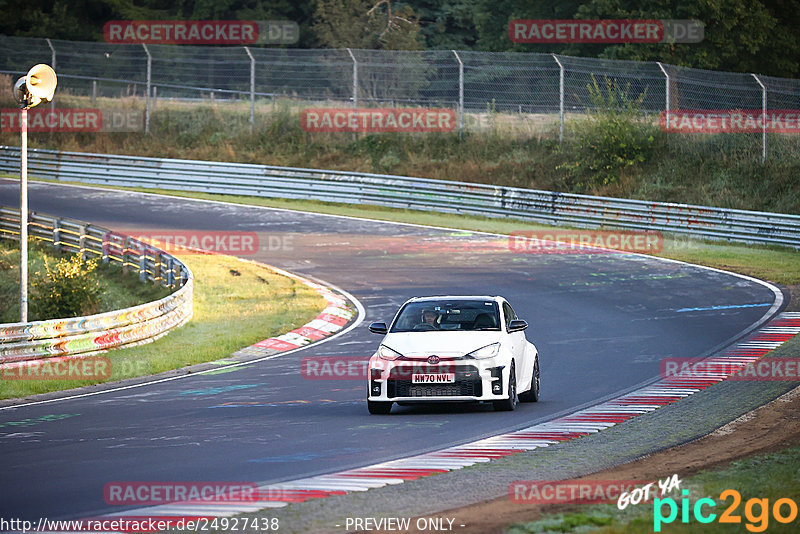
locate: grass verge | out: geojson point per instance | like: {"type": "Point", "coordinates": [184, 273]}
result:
{"type": "Point", "coordinates": [770, 476]}
{"type": "Point", "coordinates": [236, 303]}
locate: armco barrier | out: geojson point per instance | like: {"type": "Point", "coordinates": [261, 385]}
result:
{"type": "Point", "coordinates": [95, 333]}
{"type": "Point", "coordinates": [406, 192]}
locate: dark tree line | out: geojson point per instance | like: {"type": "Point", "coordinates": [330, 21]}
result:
{"type": "Point", "coordinates": [740, 35]}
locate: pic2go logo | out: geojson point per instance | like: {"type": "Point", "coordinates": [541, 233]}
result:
{"type": "Point", "coordinates": [756, 511]}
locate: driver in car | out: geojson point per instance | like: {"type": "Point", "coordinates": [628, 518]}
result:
{"type": "Point", "coordinates": [430, 317]}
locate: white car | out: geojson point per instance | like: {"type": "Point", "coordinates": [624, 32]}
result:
{"type": "Point", "coordinates": [453, 349]}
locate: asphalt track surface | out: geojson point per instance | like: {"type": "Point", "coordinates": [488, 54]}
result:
{"type": "Point", "coordinates": [601, 321]}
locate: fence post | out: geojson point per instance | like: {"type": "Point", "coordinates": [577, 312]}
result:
{"type": "Point", "coordinates": [666, 103]}
{"type": "Point", "coordinates": [147, 100]}
{"type": "Point", "coordinates": [355, 79]}
{"type": "Point", "coordinates": [52, 64]}
{"type": "Point", "coordinates": [460, 95]}
{"type": "Point", "coordinates": [763, 120]}
{"type": "Point", "coordinates": [560, 99]}
{"type": "Point", "coordinates": [252, 88]}
{"type": "Point", "coordinates": [94, 91]}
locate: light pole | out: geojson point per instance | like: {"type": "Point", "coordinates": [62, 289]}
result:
{"type": "Point", "coordinates": [38, 86]}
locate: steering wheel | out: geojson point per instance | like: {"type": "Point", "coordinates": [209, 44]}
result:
{"type": "Point", "coordinates": [424, 327]}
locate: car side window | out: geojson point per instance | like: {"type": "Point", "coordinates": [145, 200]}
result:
{"type": "Point", "coordinates": [508, 311]}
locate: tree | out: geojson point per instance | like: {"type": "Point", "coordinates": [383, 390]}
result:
{"type": "Point", "coordinates": [447, 24]}
{"type": "Point", "coordinates": [740, 35]}
{"type": "Point", "coordinates": [364, 24]}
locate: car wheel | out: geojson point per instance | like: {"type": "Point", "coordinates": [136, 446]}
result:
{"type": "Point", "coordinates": [532, 395]}
{"type": "Point", "coordinates": [509, 404]}
{"type": "Point", "coordinates": [379, 407]}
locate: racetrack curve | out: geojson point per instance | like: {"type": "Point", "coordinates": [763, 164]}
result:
{"type": "Point", "coordinates": [601, 321]}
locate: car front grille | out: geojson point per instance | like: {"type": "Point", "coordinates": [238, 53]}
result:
{"type": "Point", "coordinates": [468, 382]}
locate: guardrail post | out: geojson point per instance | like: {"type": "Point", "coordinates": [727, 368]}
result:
{"type": "Point", "coordinates": [460, 95]}
{"type": "Point", "coordinates": [355, 79]}
{"type": "Point", "coordinates": [94, 92]}
{"type": "Point", "coordinates": [666, 91]}
{"type": "Point", "coordinates": [57, 234]}
{"type": "Point", "coordinates": [82, 242]}
{"type": "Point", "coordinates": [560, 99]}
{"type": "Point", "coordinates": [763, 120]}
{"type": "Point", "coordinates": [252, 88]}
{"type": "Point", "coordinates": [106, 245]}
{"type": "Point", "coordinates": [142, 264]}
{"type": "Point", "coordinates": [147, 99]}
{"type": "Point", "coordinates": [157, 268]}
{"type": "Point", "coordinates": [125, 246]}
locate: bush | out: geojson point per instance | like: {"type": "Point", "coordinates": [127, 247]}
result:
{"type": "Point", "coordinates": [612, 137]}
{"type": "Point", "coordinates": [68, 288]}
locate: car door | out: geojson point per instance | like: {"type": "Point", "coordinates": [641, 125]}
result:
{"type": "Point", "coordinates": [518, 346]}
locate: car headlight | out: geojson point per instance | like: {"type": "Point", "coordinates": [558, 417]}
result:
{"type": "Point", "coordinates": [489, 351]}
{"type": "Point", "coordinates": [386, 353]}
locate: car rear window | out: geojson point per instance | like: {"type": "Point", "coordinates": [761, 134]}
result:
{"type": "Point", "coordinates": [436, 315]}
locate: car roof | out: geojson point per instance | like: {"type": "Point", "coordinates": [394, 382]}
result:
{"type": "Point", "coordinates": [456, 297]}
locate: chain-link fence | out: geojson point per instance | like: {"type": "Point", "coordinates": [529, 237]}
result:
{"type": "Point", "coordinates": [545, 89]}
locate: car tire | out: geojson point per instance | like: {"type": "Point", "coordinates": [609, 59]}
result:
{"type": "Point", "coordinates": [509, 404]}
{"type": "Point", "coordinates": [379, 407]}
{"type": "Point", "coordinates": [532, 395]}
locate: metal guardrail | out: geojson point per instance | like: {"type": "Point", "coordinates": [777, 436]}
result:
{"type": "Point", "coordinates": [96, 333]}
{"type": "Point", "coordinates": [406, 192]}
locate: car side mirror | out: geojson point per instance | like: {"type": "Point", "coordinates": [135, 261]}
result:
{"type": "Point", "coordinates": [517, 325]}
{"type": "Point", "coordinates": [380, 328]}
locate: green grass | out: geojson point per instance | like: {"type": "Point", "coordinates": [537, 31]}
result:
{"type": "Point", "coordinates": [770, 476]}
{"type": "Point", "coordinates": [117, 290]}
{"type": "Point", "coordinates": [236, 303]}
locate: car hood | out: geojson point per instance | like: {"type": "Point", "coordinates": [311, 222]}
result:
{"type": "Point", "coordinates": [450, 344]}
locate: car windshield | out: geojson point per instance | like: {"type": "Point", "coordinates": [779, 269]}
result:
{"type": "Point", "coordinates": [434, 315]}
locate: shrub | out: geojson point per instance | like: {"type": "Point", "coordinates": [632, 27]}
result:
{"type": "Point", "coordinates": [68, 288]}
{"type": "Point", "coordinates": [612, 137]}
